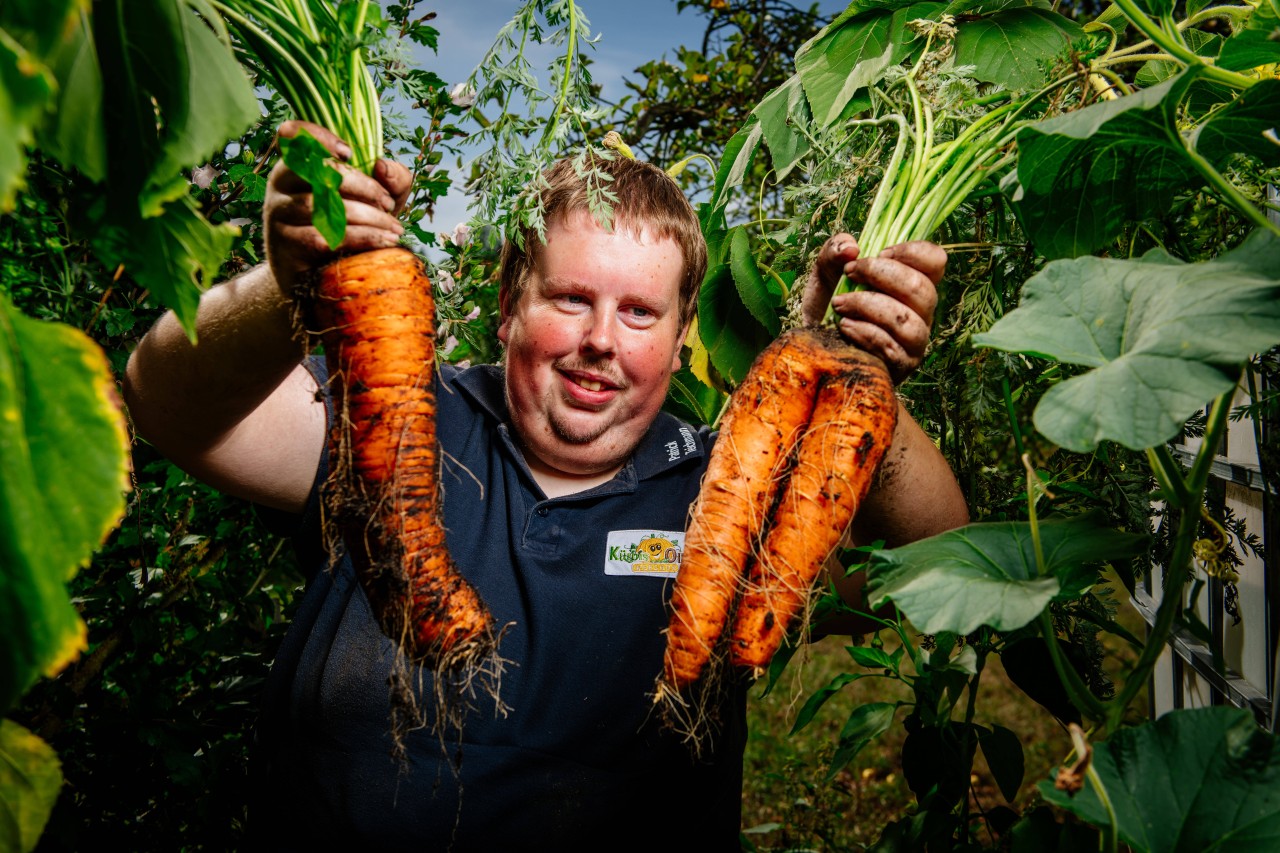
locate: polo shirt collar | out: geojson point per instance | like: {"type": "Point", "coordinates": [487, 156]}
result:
{"type": "Point", "coordinates": [668, 443]}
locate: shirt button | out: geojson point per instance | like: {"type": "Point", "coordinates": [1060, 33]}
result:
{"type": "Point", "coordinates": [542, 511]}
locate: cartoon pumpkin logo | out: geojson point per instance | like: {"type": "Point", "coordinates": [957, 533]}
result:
{"type": "Point", "coordinates": [656, 549]}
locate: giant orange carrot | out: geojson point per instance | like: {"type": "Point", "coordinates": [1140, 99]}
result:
{"type": "Point", "coordinates": [850, 430]}
{"type": "Point", "coordinates": [376, 317]}
{"type": "Point", "coordinates": [802, 437]}
{"type": "Point", "coordinates": [763, 420]}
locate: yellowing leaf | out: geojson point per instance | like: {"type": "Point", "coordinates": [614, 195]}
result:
{"type": "Point", "coordinates": [65, 455]}
{"type": "Point", "coordinates": [30, 778]}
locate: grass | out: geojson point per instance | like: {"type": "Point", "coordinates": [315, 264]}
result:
{"type": "Point", "coordinates": [790, 804]}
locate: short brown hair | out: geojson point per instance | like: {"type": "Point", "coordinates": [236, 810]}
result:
{"type": "Point", "coordinates": [647, 197]}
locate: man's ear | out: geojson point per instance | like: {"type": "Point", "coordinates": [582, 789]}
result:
{"type": "Point", "coordinates": [684, 341]}
{"type": "Point", "coordinates": [504, 312]}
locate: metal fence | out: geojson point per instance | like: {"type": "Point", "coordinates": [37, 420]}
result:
{"type": "Point", "coordinates": [1244, 620]}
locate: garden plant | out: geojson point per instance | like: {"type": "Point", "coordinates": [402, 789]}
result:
{"type": "Point", "coordinates": [1101, 181]}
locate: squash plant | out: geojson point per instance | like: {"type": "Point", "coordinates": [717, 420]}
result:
{"type": "Point", "coordinates": [1006, 128]}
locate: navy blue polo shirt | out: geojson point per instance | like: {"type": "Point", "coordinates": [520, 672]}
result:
{"type": "Point", "coordinates": [579, 760]}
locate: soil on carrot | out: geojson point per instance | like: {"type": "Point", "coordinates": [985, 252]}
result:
{"type": "Point", "coordinates": [788, 802]}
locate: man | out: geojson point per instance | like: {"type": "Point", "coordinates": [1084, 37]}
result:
{"type": "Point", "coordinates": [551, 460]}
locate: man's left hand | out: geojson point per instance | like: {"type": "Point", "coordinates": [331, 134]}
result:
{"type": "Point", "coordinates": [893, 317]}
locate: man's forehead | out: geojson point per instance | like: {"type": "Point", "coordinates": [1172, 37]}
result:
{"type": "Point", "coordinates": [638, 229]}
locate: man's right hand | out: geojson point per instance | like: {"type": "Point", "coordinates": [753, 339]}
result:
{"type": "Point", "coordinates": [371, 203]}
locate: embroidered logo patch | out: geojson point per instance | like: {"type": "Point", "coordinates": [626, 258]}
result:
{"type": "Point", "coordinates": [643, 552]}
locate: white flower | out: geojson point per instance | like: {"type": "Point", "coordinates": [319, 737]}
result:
{"type": "Point", "coordinates": [461, 233]}
{"type": "Point", "coordinates": [462, 95]}
{"type": "Point", "coordinates": [204, 176]}
{"type": "Point", "coordinates": [446, 282]}
{"type": "Point", "coordinates": [475, 313]}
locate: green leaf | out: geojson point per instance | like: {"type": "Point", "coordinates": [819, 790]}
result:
{"type": "Point", "coordinates": [1012, 47]}
{"type": "Point", "coordinates": [873, 658]}
{"type": "Point", "coordinates": [985, 574]}
{"type": "Point", "coordinates": [738, 155]}
{"type": "Point", "coordinates": [1157, 70]}
{"type": "Point", "coordinates": [76, 136]}
{"type": "Point", "coordinates": [1156, 331]}
{"type": "Point", "coordinates": [845, 57]}
{"type": "Point", "coordinates": [25, 88]}
{"type": "Point", "coordinates": [818, 699]}
{"type": "Point", "coordinates": [30, 779]}
{"type": "Point", "coordinates": [1249, 49]}
{"type": "Point", "coordinates": [1202, 779]}
{"type": "Point", "coordinates": [1003, 752]}
{"type": "Point", "coordinates": [780, 112]}
{"type": "Point", "coordinates": [865, 723]}
{"type": "Point", "coordinates": [1239, 127]}
{"type": "Point", "coordinates": [752, 289]}
{"type": "Point", "coordinates": [694, 401]}
{"type": "Point", "coordinates": [306, 156]}
{"type": "Point", "coordinates": [66, 455]}
{"type": "Point", "coordinates": [1082, 176]}
{"type": "Point", "coordinates": [201, 93]}
{"type": "Point", "coordinates": [1029, 665]}
{"type": "Point", "coordinates": [1253, 44]}
{"type": "Point", "coordinates": [174, 255]}
{"type": "Point", "coordinates": [732, 336]}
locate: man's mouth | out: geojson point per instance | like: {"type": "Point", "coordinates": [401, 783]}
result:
{"type": "Point", "coordinates": [590, 381]}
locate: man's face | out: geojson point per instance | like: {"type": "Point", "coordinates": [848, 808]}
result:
{"type": "Point", "coordinates": [592, 343]}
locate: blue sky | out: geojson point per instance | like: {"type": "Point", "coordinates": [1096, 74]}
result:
{"type": "Point", "coordinates": [631, 33]}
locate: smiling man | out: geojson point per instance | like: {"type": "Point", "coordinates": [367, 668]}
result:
{"type": "Point", "coordinates": [560, 468]}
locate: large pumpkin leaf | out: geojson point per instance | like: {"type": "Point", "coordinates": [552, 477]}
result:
{"type": "Point", "coordinates": [985, 574]}
{"type": "Point", "coordinates": [30, 778]}
{"type": "Point", "coordinates": [1082, 176]}
{"type": "Point", "coordinates": [1254, 43]}
{"type": "Point", "coordinates": [1203, 779]}
{"type": "Point", "coordinates": [65, 458]}
{"type": "Point", "coordinates": [1013, 47]}
{"type": "Point", "coordinates": [1158, 333]}
{"type": "Point", "coordinates": [1241, 127]}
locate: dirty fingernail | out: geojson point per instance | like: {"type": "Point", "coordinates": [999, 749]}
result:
{"type": "Point", "coordinates": [344, 151]}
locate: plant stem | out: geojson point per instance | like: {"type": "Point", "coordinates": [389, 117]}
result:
{"type": "Point", "coordinates": [1178, 51]}
{"type": "Point", "coordinates": [1179, 567]}
{"type": "Point", "coordinates": [1111, 841]}
{"type": "Point", "coordinates": [1228, 189]}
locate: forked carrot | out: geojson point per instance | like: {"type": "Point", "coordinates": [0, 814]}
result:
{"type": "Point", "coordinates": [851, 428]}
{"type": "Point", "coordinates": [376, 318]}
{"type": "Point", "coordinates": [797, 449]}
{"type": "Point", "coordinates": [766, 415]}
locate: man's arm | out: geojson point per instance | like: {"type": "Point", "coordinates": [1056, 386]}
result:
{"type": "Point", "coordinates": [915, 494]}
{"type": "Point", "coordinates": [237, 409]}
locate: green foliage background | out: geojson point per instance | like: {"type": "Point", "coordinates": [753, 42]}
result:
{"type": "Point", "coordinates": [189, 596]}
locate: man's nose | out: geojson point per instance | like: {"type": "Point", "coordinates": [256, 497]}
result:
{"type": "Point", "coordinates": [599, 338]}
